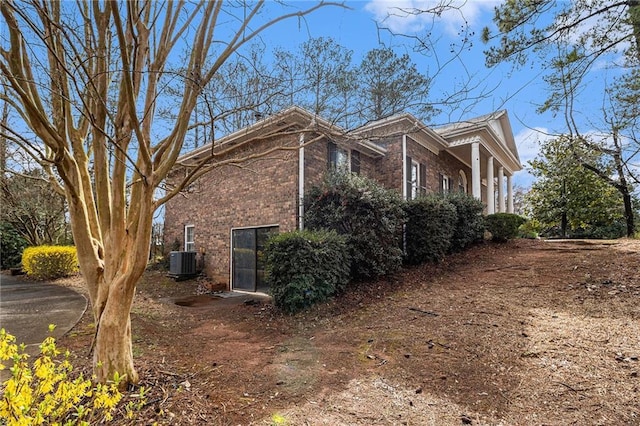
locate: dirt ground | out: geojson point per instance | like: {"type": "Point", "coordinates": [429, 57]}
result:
{"type": "Point", "coordinates": [525, 333]}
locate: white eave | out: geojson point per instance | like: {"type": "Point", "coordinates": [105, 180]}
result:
{"type": "Point", "coordinates": [492, 130]}
{"type": "Point", "coordinates": [288, 118]}
{"type": "Point", "coordinates": [405, 124]}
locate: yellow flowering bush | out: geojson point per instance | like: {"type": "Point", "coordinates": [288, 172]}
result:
{"type": "Point", "coordinates": [43, 393]}
{"type": "Point", "coordinates": [50, 261]}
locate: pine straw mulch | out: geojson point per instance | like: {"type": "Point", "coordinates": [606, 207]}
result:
{"type": "Point", "coordinates": [530, 332]}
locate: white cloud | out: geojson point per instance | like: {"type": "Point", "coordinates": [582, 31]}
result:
{"type": "Point", "coordinates": [412, 16]}
{"type": "Point", "coordinates": [528, 142]}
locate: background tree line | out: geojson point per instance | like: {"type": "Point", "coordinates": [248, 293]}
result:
{"type": "Point", "coordinates": [320, 76]}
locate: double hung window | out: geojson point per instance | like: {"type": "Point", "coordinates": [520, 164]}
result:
{"type": "Point", "coordinates": [342, 159]}
{"type": "Point", "coordinates": [189, 238]}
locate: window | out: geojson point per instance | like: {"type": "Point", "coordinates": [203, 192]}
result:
{"type": "Point", "coordinates": [462, 182]}
{"type": "Point", "coordinates": [355, 162]}
{"type": "Point", "coordinates": [189, 238]}
{"type": "Point", "coordinates": [338, 157]}
{"type": "Point", "coordinates": [445, 184]}
{"type": "Point", "coordinates": [341, 159]}
{"type": "Point", "coordinates": [416, 179]}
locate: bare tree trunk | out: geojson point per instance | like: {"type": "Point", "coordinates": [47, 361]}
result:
{"type": "Point", "coordinates": [628, 213]}
{"type": "Point", "coordinates": [113, 351]}
{"type": "Point", "coordinates": [634, 17]}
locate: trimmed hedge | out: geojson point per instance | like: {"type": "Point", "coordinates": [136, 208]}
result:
{"type": "Point", "coordinates": [369, 215]}
{"type": "Point", "coordinates": [503, 226]}
{"type": "Point", "coordinates": [470, 225]}
{"type": "Point", "coordinates": [50, 262]}
{"type": "Point", "coordinates": [304, 268]}
{"type": "Point", "coordinates": [429, 228]}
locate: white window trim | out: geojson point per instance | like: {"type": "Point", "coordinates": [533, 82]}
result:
{"type": "Point", "coordinates": [415, 183]}
{"type": "Point", "coordinates": [462, 176]}
{"type": "Point", "coordinates": [193, 234]}
{"type": "Point", "coordinates": [446, 184]}
{"type": "Point", "coordinates": [346, 166]}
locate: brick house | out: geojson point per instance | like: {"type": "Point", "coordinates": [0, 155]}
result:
{"type": "Point", "coordinates": [227, 215]}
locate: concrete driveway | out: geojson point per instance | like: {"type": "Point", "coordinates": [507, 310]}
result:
{"type": "Point", "coordinates": [27, 308]}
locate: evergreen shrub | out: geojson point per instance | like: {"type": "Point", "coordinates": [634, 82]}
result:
{"type": "Point", "coordinates": [11, 246]}
{"type": "Point", "coordinates": [530, 229]}
{"type": "Point", "coordinates": [429, 228]}
{"type": "Point", "coordinates": [503, 226]}
{"type": "Point", "coordinates": [600, 231]}
{"type": "Point", "coordinates": [50, 262]}
{"type": "Point", "coordinates": [305, 267]}
{"type": "Point", "coordinates": [369, 215]}
{"type": "Point", "coordinates": [470, 224]}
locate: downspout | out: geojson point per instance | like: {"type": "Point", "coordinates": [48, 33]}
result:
{"type": "Point", "coordinates": [404, 167]}
{"type": "Point", "coordinates": [301, 183]}
{"type": "Point", "coordinates": [404, 189]}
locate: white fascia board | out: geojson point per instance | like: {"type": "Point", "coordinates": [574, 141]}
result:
{"type": "Point", "coordinates": [282, 120]}
{"type": "Point", "coordinates": [417, 130]}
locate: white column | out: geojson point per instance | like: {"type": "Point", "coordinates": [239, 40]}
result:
{"type": "Point", "coordinates": [491, 190]}
{"type": "Point", "coordinates": [501, 189]}
{"type": "Point", "coordinates": [475, 170]}
{"type": "Point", "coordinates": [509, 194]}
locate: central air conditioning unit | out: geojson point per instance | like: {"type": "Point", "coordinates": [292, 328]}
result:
{"type": "Point", "coordinates": [182, 264]}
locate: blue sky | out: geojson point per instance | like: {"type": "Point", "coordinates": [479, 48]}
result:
{"type": "Point", "coordinates": [519, 91]}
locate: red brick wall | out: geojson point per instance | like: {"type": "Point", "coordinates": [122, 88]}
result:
{"type": "Point", "coordinates": [254, 193]}
{"type": "Point", "coordinates": [265, 192]}
{"type": "Point", "coordinates": [389, 168]}
{"type": "Point", "coordinates": [437, 164]}
{"type": "Point", "coordinates": [315, 163]}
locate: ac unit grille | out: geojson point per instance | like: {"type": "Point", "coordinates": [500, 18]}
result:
{"type": "Point", "coordinates": [182, 263]}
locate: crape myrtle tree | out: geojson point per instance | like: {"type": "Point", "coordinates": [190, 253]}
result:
{"type": "Point", "coordinates": [86, 79]}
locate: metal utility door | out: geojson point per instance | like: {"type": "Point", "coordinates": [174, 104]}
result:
{"type": "Point", "coordinates": [247, 263]}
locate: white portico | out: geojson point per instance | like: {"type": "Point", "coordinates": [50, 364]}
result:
{"type": "Point", "coordinates": [486, 145]}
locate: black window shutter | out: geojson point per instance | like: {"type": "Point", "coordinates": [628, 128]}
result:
{"type": "Point", "coordinates": [355, 162]}
{"type": "Point", "coordinates": [408, 182]}
{"type": "Point", "coordinates": [423, 179]}
{"type": "Point", "coordinates": [441, 179]}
